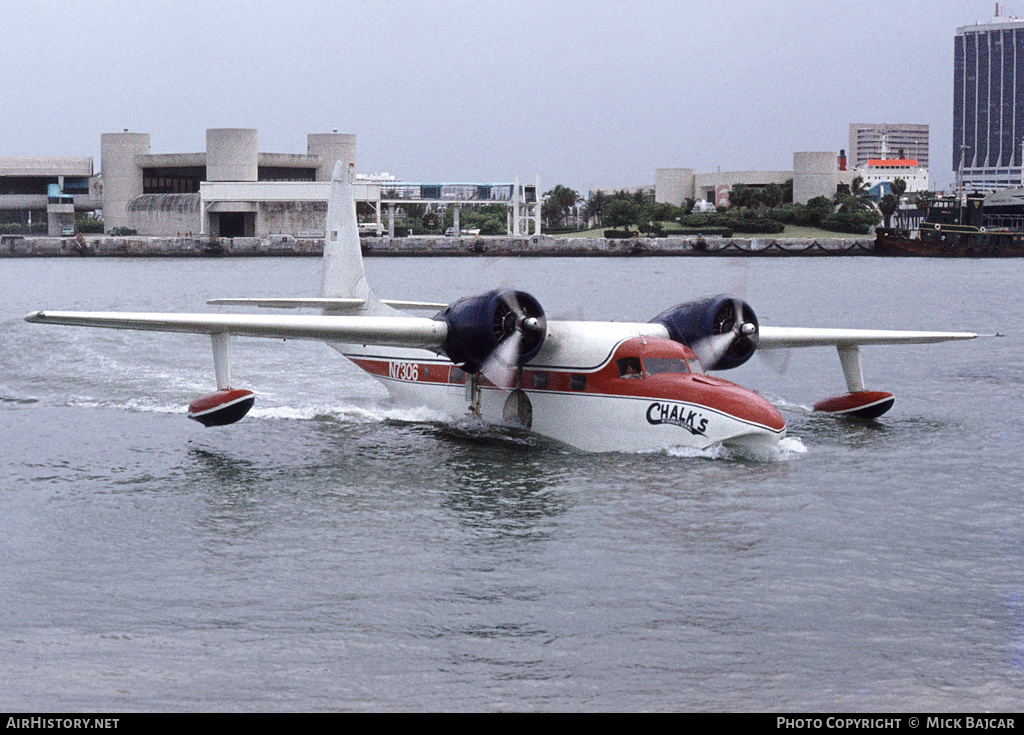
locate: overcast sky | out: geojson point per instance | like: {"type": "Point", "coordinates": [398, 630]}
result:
{"type": "Point", "coordinates": [586, 94]}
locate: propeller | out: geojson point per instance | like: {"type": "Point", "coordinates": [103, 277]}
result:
{"type": "Point", "coordinates": [731, 335]}
{"type": "Point", "coordinates": [777, 359]}
{"type": "Point", "coordinates": [513, 327]}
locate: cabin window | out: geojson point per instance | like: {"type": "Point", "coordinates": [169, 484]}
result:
{"type": "Point", "coordinates": [540, 380]}
{"type": "Point", "coordinates": [629, 367]}
{"type": "Point", "coordinates": [656, 365]}
{"type": "Point", "coordinates": [456, 376]}
{"type": "Point", "coordinates": [578, 382]}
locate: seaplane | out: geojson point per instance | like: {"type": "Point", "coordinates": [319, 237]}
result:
{"type": "Point", "coordinates": [496, 357]}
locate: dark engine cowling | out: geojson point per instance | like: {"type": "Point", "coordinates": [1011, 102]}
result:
{"type": "Point", "coordinates": [708, 323]}
{"type": "Point", "coordinates": [478, 324]}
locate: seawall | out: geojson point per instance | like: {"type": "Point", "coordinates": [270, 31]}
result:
{"type": "Point", "coordinates": [533, 246]}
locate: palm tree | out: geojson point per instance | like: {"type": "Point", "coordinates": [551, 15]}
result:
{"type": "Point", "coordinates": [594, 207]}
{"type": "Point", "coordinates": [888, 205]}
{"type": "Point", "coordinates": [560, 201]}
{"type": "Point", "coordinates": [899, 188]}
{"type": "Point", "coordinates": [855, 197]}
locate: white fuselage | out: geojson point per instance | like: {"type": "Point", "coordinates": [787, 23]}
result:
{"type": "Point", "coordinates": [580, 400]}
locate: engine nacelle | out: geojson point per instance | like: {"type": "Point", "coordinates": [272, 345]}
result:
{"type": "Point", "coordinates": [699, 322]}
{"type": "Point", "coordinates": [478, 324]}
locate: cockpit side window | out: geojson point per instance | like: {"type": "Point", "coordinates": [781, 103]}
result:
{"type": "Point", "coordinates": [629, 367]}
{"type": "Point", "coordinates": [656, 365]}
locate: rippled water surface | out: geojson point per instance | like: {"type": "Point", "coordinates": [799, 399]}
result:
{"type": "Point", "coordinates": [334, 551]}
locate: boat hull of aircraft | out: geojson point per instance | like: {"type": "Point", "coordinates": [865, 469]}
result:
{"type": "Point", "coordinates": [596, 410]}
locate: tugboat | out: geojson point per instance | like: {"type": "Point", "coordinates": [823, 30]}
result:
{"type": "Point", "coordinates": [955, 229]}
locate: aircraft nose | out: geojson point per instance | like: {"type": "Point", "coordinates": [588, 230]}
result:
{"type": "Point", "coordinates": [741, 402]}
{"type": "Point", "coordinates": [763, 412]}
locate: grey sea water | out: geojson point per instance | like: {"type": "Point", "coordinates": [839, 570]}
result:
{"type": "Point", "coordinates": [335, 552]}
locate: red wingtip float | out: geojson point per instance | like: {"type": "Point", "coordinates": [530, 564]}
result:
{"type": "Point", "coordinates": [593, 386]}
{"type": "Point", "coordinates": [221, 407]}
{"type": "Point", "coordinates": [865, 404]}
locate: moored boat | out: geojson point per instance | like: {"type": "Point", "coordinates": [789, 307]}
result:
{"type": "Point", "coordinates": [957, 229]}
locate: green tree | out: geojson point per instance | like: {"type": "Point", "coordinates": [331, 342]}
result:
{"type": "Point", "coordinates": [772, 196]}
{"type": "Point", "coordinates": [594, 207]}
{"type": "Point", "coordinates": [559, 203]}
{"type": "Point", "coordinates": [622, 213]}
{"type": "Point", "coordinates": [653, 214]}
{"type": "Point", "coordinates": [854, 198]}
{"type": "Point", "coordinates": [887, 206]}
{"type": "Point", "coordinates": [741, 195]}
{"type": "Point", "coordinates": [899, 188]}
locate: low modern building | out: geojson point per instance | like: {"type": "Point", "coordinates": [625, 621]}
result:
{"type": "Point", "coordinates": [38, 191]}
{"type": "Point", "coordinates": [813, 174]}
{"type": "Point", "coordinates": [253, 193]}
{"type": "Point", "coordinates": [233, 190]}
{"type": "Point", "coordinates": [676, 185]}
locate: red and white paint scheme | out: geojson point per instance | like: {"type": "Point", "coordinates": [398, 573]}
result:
{"type": "Point", "coordinates": [643, 393]}
{"type": "Point", "coordinates": [222, 407]}
{"type": "Point", "coordinates": [592, 386]}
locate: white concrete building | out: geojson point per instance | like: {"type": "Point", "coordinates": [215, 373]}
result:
{"type": "Point", "coordinates": [46, 189]}
{"type": "Point", "coordinates": [160, 194]}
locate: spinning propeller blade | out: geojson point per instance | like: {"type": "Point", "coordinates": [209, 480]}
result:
{"type": "Point", "coordinates": [515, 324]}
{"type": "Point", "coordinates": [731, 327]}
{"type": "Point", "coordinates": [500, 368]}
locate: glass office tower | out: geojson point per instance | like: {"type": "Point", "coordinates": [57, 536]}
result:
{"type": "Point", "coordinates": [988, 104]}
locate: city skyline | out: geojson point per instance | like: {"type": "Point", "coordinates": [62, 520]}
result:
{"type": "Point", "coordinates": [584, 94]}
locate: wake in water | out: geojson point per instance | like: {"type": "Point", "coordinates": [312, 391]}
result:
{"type": "Point", "coordinates": [457, 429]}
{"type": "Point", "coordinates": [788, 448]}
{"type": "Point", "coordinates": [14, 400]}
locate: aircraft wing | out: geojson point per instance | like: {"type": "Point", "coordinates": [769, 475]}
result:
{"type": "Point", "coordinates": [408, 331]}
{"type": "Point", "coordinates": [785, 337]}
{"type": "Point", "coordinates": [418, 332]}
{"type": "Point", "coordinates": [322, 303]}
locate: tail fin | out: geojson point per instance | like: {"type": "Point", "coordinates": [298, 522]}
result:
{"type": "Point", "coordinates": [343, 274]}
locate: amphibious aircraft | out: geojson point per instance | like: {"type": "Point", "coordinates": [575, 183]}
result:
{"type": "Point", "coordinates": [593, 386]}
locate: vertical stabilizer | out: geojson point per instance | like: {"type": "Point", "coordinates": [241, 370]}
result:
{"type": "Point", "coordinates": [343, 274]}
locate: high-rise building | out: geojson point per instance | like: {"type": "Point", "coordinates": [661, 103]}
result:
{"type": "Point", "coordinates": [988, 104]}
{"type": "Point", "coordinates": [881, 140]}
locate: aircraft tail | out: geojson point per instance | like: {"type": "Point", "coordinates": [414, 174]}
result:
{"type": "Point", "coordinates": [343, 274]}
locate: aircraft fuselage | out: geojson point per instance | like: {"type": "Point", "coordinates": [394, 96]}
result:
{"type": "Point", "coordinates": [647, 393]}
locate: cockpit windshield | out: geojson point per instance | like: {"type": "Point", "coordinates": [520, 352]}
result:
{"type": "Point", "coordinates": [655, 365]}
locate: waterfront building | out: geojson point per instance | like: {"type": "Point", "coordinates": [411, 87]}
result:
{"type": "Point", "coordinates": [988, 104]}
{"type": "Point", "coordinates": [160, 194]}
{"type": "Point", "coordinates": [43, 193]}
{"type": "Point", "coordinates": [816, 173]}
{"type": "Point", "coordinates": [232, 189]}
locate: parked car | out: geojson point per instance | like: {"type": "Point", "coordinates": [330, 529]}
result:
{"type": "Point", "coordinates": [67, 231]}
